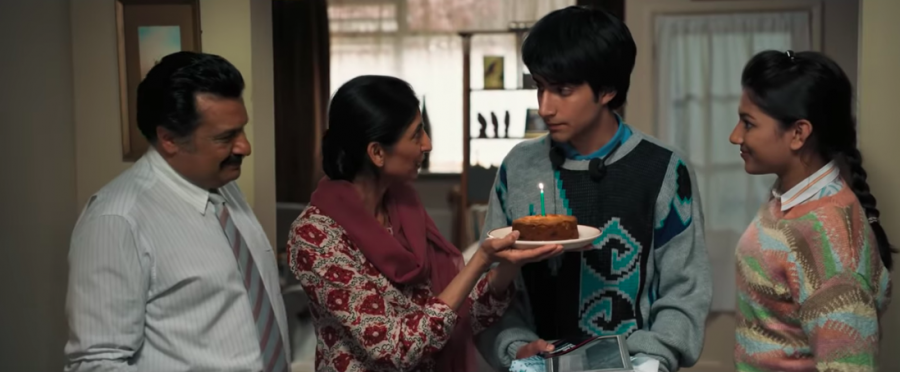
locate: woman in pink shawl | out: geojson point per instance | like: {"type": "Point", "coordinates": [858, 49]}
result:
{"type": "Point", "coordinates": [388, 292]}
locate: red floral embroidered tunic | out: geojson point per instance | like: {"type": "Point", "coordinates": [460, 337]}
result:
{"type": "Point", "coordinates": [363, 321]}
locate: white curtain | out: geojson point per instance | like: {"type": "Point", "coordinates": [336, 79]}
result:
{"type": "Point", "coordinates": [698, 72]}
{"type": "Point", "coordinates": [418, 41]}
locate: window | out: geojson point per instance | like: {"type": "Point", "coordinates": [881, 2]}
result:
{"type": "Point", "coordinates": [362, 18]}
{"type": "Point", "coordinates": [698, 69]}
{"type": "Point", "coordinates": [417, 41]}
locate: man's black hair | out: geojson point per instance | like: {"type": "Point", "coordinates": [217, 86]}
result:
{"type": "Point", "coordinates": [577, 44]}
{"type": "Point", "coordinates": [167, 96]}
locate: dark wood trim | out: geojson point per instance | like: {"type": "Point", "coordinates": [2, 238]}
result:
{"type": "Point", "coordinates": [300, 46]}
{"type": "Point", "coordinates": [463, 205]}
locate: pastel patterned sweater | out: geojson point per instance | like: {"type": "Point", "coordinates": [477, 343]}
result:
{"type": "Point", "coordinates": [811, 287]}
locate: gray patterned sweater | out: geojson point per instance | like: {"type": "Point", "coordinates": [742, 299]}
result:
{"type": "Point", "coordinates": [648, 276]}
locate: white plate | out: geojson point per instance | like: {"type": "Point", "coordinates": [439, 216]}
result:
{"type": "Point", "coordinates": [586, 235]}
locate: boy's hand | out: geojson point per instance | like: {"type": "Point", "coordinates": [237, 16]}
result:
{"type": "Point", "coordinates": [534, 348]}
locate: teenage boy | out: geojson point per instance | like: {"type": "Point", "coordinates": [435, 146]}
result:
{"type": "Point", "coordinates": [647, 276]}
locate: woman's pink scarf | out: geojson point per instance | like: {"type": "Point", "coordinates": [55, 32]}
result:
{"type": "Point", "coordinates": [416, 252]}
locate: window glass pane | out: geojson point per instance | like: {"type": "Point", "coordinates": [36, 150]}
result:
{"type": "Point", "coordinates": [365, 18]}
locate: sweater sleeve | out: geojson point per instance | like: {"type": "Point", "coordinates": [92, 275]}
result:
{"type": "Point", "coordinates": [392, 329]}
{"type": "Point", "coordinates": [681, 292]}
{"type": "Point", "coordinates": [499, 343]}
{"type": "Point", "coordinates": [488, 306]}
{"type": "Point", "coordinates": [831, 276]}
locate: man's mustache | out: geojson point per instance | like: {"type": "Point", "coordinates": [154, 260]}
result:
{"type": "Point", "coordinates": [234, 159]}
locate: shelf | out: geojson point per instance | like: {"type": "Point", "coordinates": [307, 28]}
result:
{"type": "Point", "coordinates": [516, 102]}
{"type": "Point", "coordinates": [491, 151]}
{"type": "Point", "coordinates": [483, 156]}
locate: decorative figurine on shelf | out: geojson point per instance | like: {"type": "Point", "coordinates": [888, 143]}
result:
{"type": "Point", "coordinates": [483, 132]}
{"type": "Point", "coordinates": [506, 125]}
{"type": "Point", "coordinates": [426, 124]}
{"type": "Point", "coordinates": [495, 124]}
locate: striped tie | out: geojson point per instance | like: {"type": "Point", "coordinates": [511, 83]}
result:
{"type": "Point", "coordinates": [270, 343]}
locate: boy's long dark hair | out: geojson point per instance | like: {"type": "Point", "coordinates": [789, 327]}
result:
{"type": "Point", "coordinates": [579, 44]}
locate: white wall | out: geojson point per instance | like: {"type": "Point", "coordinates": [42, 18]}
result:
{"type": "Point", "coordinates": [37, 194]}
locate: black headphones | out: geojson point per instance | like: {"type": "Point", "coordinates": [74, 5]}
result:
{"type": "Point", "coordinates": [596, 167]}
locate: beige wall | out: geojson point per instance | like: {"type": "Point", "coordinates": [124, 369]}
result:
{"type": "Point", "coordinates": [59, 116]}
{"type": "Point", "coordinates": [228, 30]}
{"type": "Point", "coordinates": [879, 78]}
{"type": "Point", "coordinates": [840, 35]}
{"type": "Point", "coordinates": [98, 145]}
{"type": "Point", "coordinates": [37, 195]}
{"type": "Point", "coordinates": [263, 157]}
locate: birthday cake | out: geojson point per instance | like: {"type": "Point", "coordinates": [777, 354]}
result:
{"type": "Point", "coordinates": [546, 228]}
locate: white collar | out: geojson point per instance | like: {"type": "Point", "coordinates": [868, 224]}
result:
{"type": "Point", "coordinates": [194, 195]}
{"type": "Point", "coordinates": [809, 187]}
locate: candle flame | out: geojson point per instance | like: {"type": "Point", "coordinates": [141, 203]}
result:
{"type": "Point", "coordinates": [541, 185]}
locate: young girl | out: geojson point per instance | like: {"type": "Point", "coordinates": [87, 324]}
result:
{"type": "Point", "coordinates": [812, 268]}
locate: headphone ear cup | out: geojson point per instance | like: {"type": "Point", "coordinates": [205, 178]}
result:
{"type": "Point", "coordinates": [557, 158]}
{"type": "Point", "coordinates": [596, 169]}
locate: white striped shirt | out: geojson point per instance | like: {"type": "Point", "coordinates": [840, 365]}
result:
{"type": "Point", "coordinates": [153, 283]}
{"type": "Point", "coordinates": [823, 182]}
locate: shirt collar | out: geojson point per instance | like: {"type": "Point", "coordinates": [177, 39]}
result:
{"type": "Point", "coordinates": [195, 196]}
{"type": "Point", "coordinates": [809, 187]}
{"type": "Point", "coordinates": [622, 134]}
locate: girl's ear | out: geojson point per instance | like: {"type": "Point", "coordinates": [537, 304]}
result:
{"type": "Point", "coordinates": [801, 131]}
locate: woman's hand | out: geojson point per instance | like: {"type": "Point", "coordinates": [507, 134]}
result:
{"type": "Point", "coordinates": [502, 250]}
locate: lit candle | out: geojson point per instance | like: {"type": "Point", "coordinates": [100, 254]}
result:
{"type": "Point", "coordinates": [543, 211]}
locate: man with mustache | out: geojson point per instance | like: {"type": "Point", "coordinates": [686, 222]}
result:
{"type": "Point", "coordinates": [169, 268]}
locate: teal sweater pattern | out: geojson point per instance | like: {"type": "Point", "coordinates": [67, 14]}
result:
{"type": "Point", "coordinates": [647, 276]}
